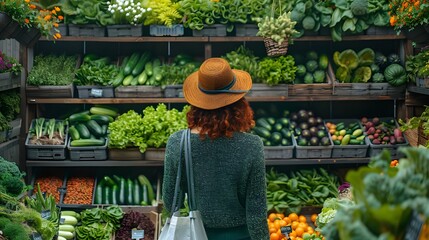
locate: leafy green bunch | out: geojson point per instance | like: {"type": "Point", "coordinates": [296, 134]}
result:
{"type": "Point", "coordinates": [243, 59]}
{"type": "Point", "coordinates": [52, 70]}
{"type": "Point", "coordinates": [10, 104]}
{"type": "Point", "coordinates": [163, 12]}
{"type": "Point", "coordinates": [418, 65]}
{"type": "Point", "coordinates": [160, 123]}
{"type": "Point", "coordinates": [278, 70]}
{"type": "Point", "coordinates": [385, 197]}
{"type": "Point", "coordinates": [87, 12]}
{"type": "Point", "coordinates": [126, 131]}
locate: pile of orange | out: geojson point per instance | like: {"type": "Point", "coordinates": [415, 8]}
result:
{"type": "Point", "coordinates": [299, 225]}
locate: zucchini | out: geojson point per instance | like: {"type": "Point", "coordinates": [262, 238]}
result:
{"type": "Point", "coordinates": [131, 63]}
{"type": "Point", "coordinates": [61, 238]}
{"type": "Point", "coordinates": [74, 133]}
{"type": "Point", "coordinates": [124, 62]}
{"type": "Point", "coordinates": [137, 193]}
{"type": "Point", "coordinates": [286, 133]}
{"type": "Point", "coordinates": [70, 213]}
{"type": "Point", "coordinates": [83, 131]}
{"type": "Point", "coordinates": [79, 117]}
{"type": "Point", "coordinates": [121, 196]}
{"type": "Point", "coordinates": [157, 73]}
{"type": "Point", "coordinates": [151, 81]}
{"type": "Point", "coordinates": [142, 78]}
{"type": "Point", "coordinates": [145, 200]}
{"type": "Point", "coordinates": [104, 129]}
{"type": "Point", "coordinates": [276, 138]}
{"type": "Point", "coordinates": [148, 69]}
{"type": "Point", "coordinates": [87, 142]}
{"type": "Point", "coordinates": [94, 128]}
{"type": "Point", "coordinates": [140, 64]}
{"type": "Point", "coordinates": [70, 220]}
{"type": "Point", "coordinates": [127, 80]}
{"type": "Point", "coordinates": [103, 111]}
{"type": "Point", "coordinates": [109, 181]}
{"type": "Point", "coordinates": [102, 119]}
{"type": "Point", "coordinates": [271, 120]}
{"type": "Point", "coordinates": [130, 190]}
{"type": "Point", "coordinates": [65, 234]}
{"type": "Point", "coordinates": [144, 181]}
{"type": "Point", "coordinates": [156, 63]}
{"type": "Point", "coordinates": [66, 227]}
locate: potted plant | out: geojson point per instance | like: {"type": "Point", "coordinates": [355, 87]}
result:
{"type": "Point", "coordinates": [276, 31]}
{"type": "Point", "coordinates": [412, 17]}
{"type": "Point", "coordinates": [128, 17]}
{"type": "Point", "coordinates": [164, 18]}
{"type": "Point", "coordinates": [9, 69]}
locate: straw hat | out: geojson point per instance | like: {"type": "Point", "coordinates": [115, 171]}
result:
{"type": "Point", "coordinates": [216, 85]}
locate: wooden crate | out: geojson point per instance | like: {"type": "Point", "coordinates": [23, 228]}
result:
{"type": "Point", "coordinates": [126, 30]}
{"type": "Point", "coordinates": [422, 138]}
{"type": "Point", "coordinates": [88, 30]}
{"type": "Point", "coordinates": [49, 91]}
{"type": "Point", "coordinates": [315, 89]}
{"type": "Point", "coordinates": [154, 154]}
{"type": "Point", "coordinates": [152, 215]}
{"type": "Point", "coordinates": [138, 92]}
{"type": "Point", "coordinates": [9, 81]}
{"type": "Point", "coordinates": [127, 154]}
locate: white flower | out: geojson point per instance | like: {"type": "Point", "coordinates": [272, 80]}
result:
{"type": "Point", "coordinates": [128, 14]}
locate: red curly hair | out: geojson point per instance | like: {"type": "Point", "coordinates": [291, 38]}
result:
{"type": "Point", "coordinates": [236, 117]}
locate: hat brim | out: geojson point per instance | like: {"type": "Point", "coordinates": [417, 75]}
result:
{"type": "Point", "coordinates": [197, 98]}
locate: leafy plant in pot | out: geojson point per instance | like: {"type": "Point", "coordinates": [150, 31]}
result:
{"type": "Point", "coordinates": [277, 31]}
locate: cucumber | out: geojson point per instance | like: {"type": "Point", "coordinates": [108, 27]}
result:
{"type": "Point", "coordinates": [137, 193]}
{"type": "Point", "coordinates": [66, 227]}
{"type": "Point", "coordinates": [94, 128]}
{"type": "Point", "coordinates": [124, 62]}
{"type": "Point", "coordinates": [115, 195]}
{"type": "Point", "coordinates": [83, 131]}
{"type": "Point", "coordinates": [65, 234]}
{"type": "Point", "coordinates": [271, 121]}
{"type": "Point", "coordinates": [103, 110]}
{"type": "Point", "coordinates": [69, 220]}
{"type": "Point", "coordinates": [79, 117]}
{"type": "Point", "coordinates": [74, 133]}
{"type": "Point", "coordinates": [109, 182]}
{"type": "Point", "coordinates": [262, 132]}
{"type": "Point", "coordinates": [276, 138]}
{"type": "Point", "coordinates": [104, 129]}
{"type": "Point", "coordinates": [121, 196]}
{"type": "Point", "coordinates": [127, 80]}
{"type": "Point", "coordinates": [70, 213]}
{"type": "Point", "coordinates": [107, 195]}
{"type": "Point", "coordinates": [157, 73]}
{"type": "Point", "coordinates": [87, 142]}
{"type": "Point", "coordinates": [148, 69]}
{"type": "Point", "coordinates": [98, 198]}
{"type": "Point", "coordinates": [134, 82]}
{"type": "Point", "coordinates": [151, 81]}
{"type": "Point", "coordinates": [102, 119]}
{"type": "Point", "coordinates": [142, 78]}
{"type": "Point", "coordinates": [130, 190]}
{"type": "Point", "coordinates": [118, 79]}
{"type": "Point", "coordinates": [145, 200]}
{"type": "Point", "coordinates": [262, 122]}
{"type": "Point", "coordinates": [156, 63]}
{"type": "Point", "coordinates": [131, 63]}
{"type": "Point", "coordinates": [140, 64]}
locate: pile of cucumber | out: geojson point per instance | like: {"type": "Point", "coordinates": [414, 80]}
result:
{"type": "Point", "coordinates": [69, 219]}
{"type": "Point", "coordinates": [139, 69]}
{"type": "Point", "coordinates": [124, 191]}
{"type": "Point", "coordinates": [89, 128]}
{"type": "Point", "coordinates": [273, 132]}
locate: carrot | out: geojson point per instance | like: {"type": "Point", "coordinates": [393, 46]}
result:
{"type": "Point", "coordinates": [79, 190]}
{"type": "Point", "coordinates": [50, 185]}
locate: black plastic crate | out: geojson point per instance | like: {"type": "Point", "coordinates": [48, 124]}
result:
{"type": "Point", "coordinates": [88, 153]}
{"type": "Point", "coordinates": [161, 30]}
{"type": "Point", "coordinates": [95, 92]}
{"type": "Point", "coordinates": [215, 30]}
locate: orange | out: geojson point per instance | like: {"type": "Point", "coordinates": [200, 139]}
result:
{"type": "Point", "coordinates": [293, 217]}
{"type": "Point", "coordinates": [283, 223]}
{"type": "Point", "coordinates": [295, 225]}
{"type": "Point", "coordinates": [274, 236]}
{"type": "Point", "coordinates": [291, 237]}
{"type": "Point", "coordinates": [303, 225]}
{"type": "Point", "coordinates": [299, 231]}
{"type": "Point", "coordinates": [292, 234]}
{"type": "Point", "coordinates": [272, 217]}
{"type": "Point", "coordinates": [334, 137]}
{"type": "Point", "coordinates": [277, 224]}
{"type": "Point", "coordinates": [302, 219]}
{"type": "Point", "coordinates": [271, 225]}
{"type": "Point", "coordinates": [272, 230]}
{"type": "Point", "coordinates": [280, 215]}
{"type": "Point", "coordinates": [313, 217]}
{"type": "Point", "coordinates": [287, 220]}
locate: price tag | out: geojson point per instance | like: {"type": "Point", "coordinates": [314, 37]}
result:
{"type": "Point", "coordinates": [36, 236]}
{"type": "Point", "coordinates": [95, 92]}
{"type": "Point", "coordinates": [137, 234]}
{"type": "Point", "coordinates": [414, 227]}
{"type": "Point", "coordinates": [46, 214]}
{"type": "Point", "coordinates": [286, 230]}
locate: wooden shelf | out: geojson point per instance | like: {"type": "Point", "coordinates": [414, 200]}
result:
{"type": "Point", "coordinates": [420, 90]}
{"type": "Point", "coordinates": [182, 100]}
{"type": "Point", "coordinates": [219, 39]}
{"type": "Point", "coordinates": [109, 163]}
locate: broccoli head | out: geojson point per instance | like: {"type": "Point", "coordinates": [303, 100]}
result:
{"type": "Point", "coordinates": [11, 178]}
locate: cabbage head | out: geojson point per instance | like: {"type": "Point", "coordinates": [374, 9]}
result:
{"type": "Point", "coordinates": [348, 58]}
{"type": "Point", "coordinates": [362, 74]}
{"type": "Point", "coordinates": [343, 74]}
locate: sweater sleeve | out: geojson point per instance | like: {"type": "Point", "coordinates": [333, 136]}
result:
{"type": "Point", "coordinates": [256, 197]}
{"type": "Point", "coordinates": [170, 171]}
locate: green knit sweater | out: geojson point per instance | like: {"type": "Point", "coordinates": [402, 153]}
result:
{"type": "Point", "coordinates": [229, 175]}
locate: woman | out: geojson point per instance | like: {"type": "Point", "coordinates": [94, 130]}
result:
{"type": "Point", "coordinates": [228, 162]}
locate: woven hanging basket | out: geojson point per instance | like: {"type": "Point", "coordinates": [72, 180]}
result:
{"type": "Point", "coordinates": [274, 49]}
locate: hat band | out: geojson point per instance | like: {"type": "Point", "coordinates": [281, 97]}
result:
{"type": "Point", "coordinates": [225, 89]}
